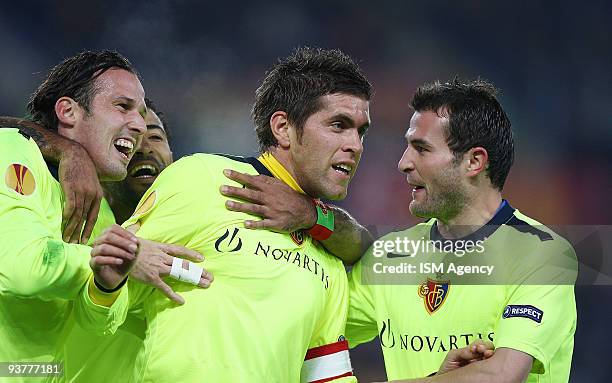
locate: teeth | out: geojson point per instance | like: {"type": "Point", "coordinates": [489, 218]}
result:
{"type": "Point", "coordinates": [124, 143]}
{"type": "Point", "coordinates": [345, 168]}
{"type": "Point", "coordinates": [152, 168]}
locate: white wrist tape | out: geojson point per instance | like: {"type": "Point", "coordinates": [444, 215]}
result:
{"type": "Point", "coordinates": [192, 275]}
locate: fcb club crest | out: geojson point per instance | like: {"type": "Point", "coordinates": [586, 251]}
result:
{"type": "Point", "coordinates": [434, 294]}
{"type": "Point", "coordinates": [297, 237]}
{"type": "Point", "coordinates": [20, 179]}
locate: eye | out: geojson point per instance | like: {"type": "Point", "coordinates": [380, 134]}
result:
{"type": "Point", "coordinates": [420, 149]}
{"type": "Point", "coordinates": [337, 125]}
{"type": "Point", "coordinates": [123, 106]}
{"type": "Point", "coordinates": [156, 137]}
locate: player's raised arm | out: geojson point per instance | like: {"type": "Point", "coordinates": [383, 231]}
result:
{"type": "Point", "coordinates": [284, 210]}
{"type": "Point", "coordinates": [77, 176]}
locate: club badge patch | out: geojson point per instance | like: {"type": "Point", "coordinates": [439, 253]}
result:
{"type": "Point", "coordinates": [523, 311]}
{"type": "Point", "coordinates": [20, 179]}
{"type": "Point", "coordinates": [434, 294]}
{"type": "Point", "coordinates": [146, 205]}
{"type": "Point", "coordinates": [297, 237]}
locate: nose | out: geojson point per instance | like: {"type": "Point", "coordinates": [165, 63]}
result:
{"type": "Point", "coordinates": [354, 142]}
{"type": "Point", "coordinates": [405, 163]}
{"type": "Point", "coordinates": [144, 147]}
{"type": "Point", "coordinates": [137, 123]}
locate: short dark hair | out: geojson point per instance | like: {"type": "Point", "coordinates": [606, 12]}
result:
{"type": "Point", "coordinates": [295, 84]}
{"type": "Point", "coordinates": [162, 117]}
{"type": "Point", "coordinates": [475, 118]}
{"type": "Point", "coordinates": [74, 77]}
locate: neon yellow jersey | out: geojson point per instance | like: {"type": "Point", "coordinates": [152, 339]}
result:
{"type": "Point", "coordinates": [274, 296]}
{"type": "Point", "coordinates": [43, 281]}
{"type": "Point", "coordinates": [417, 323]}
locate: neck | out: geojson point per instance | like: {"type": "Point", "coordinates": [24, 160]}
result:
{"type": "Point", "coordinates": [121, 205]}
{"type": "Point", "coordinates": [476, 213]}
{"type": "Point", "coordinates": [283, 156]}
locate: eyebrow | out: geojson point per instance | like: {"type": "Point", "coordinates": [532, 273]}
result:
{"type": "Point", "coordinates": [131, 102]}
{"type": "Point", "coordinates": [155, 126]}
{"type": "Point", "coordinates": [349, 121]}
{"type": "Point", "coordinates": [419, 141]}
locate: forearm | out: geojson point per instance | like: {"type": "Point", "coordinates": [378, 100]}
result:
{"type": "Point", "coordinates": [51, 144]}
{"type": "Point", "coordinates": [506, 366]}
{"type": "Point", "coordinates": [349, 239]}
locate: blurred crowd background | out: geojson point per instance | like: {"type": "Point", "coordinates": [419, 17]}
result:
{"type": "Point", "coordinates": [201, 61]}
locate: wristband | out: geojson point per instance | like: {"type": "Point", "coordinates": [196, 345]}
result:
{"type": "Point", "coordinates": [107, 291]}
{"type": "Point", "coordinates": [324, 227]}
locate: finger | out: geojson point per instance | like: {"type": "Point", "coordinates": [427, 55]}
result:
{"type": "Point", "coordinates": [67, 214]}
{"type": "Point", "coordinates": [488, 353]}
{"type": "Point", "coordinates": [107, 250]}
{"type": "Point", "coordinates": [118, 230]}
{"type": "Point", "coordinates": [78, 218]}
{"type": "Point", "coordinates": [115, 240]}
{"type": "Point", "coordinates": [249, 208]}
{"type": "Point", "coordinates": [92, 217]}
{"type": "Point", "coordinates": [206, 279]}
{"type": "Point", "coordinates": [242, 178]}
{"type": "Point", "coordinates": [181, 252]}
{"type": "Point", "coordinates": [98, 261]}
{"type": "Point", "coordinates": [261, 224]}
{"type": "Point", "coordinates": [242, 193]}
{"type": "Point", "coordinates": [168, 292]}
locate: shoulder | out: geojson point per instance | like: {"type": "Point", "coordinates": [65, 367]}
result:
{"type": "Point", "coordinates": [530, 232]}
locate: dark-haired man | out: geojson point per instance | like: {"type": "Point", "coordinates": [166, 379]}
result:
{"type": "Point", "coordinates": [96, 100]}
{"type": "Point", "coordinates": [459, 152]}
{"type": "Point", "coordinates": [152, 155]}
{"type": "Point", "coordinates": [278, 307]}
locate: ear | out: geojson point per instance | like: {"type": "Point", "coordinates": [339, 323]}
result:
{"type": "Point", "coordinates": [280, 128]}
{"type": "Point", "coordinates": [477, 160]}
{"type": "Point", "coordinates": [67, 111]}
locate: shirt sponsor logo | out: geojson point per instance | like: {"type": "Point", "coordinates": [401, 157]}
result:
{"type": "Point", "coordinates": [20, 179]}
{"type": "Point", "coordinates": [523, 311]}
{"type": "Point", "coordinates": [434, 294]}
{"type": "Point", "coordinates": [427, 343]}
{"type": "Point", "coordinates": [301, 260]}
{"type": "Point", "coordinates": [227, 244]}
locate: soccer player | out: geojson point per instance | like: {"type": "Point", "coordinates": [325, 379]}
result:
{"type": "Point", "coordinates": [459, 152]}
{"type": "Point", "coordinates": [90, 355]}
{"type": "Point", "coordinates": [151, 157]}
{"type": "Point", "coordinates": [96, 100]}
{"type": "Point", "coordinates": [277, 310]}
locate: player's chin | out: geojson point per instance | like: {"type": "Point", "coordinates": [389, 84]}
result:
{"type": "Point", "coordinates": [113, 172]}
{"type": "Point", "coordinates": [418, 209]}
{"type": "Point", "coordinates": [336, 193]}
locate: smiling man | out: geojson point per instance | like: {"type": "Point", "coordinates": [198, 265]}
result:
{"type": "Point", "coordinates": [151, 157]}
{"type": "Point", "coordinates": [95, 99]}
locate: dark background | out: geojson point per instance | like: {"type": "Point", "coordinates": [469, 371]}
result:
{"type": "Point", "coordinates": [201, 62]}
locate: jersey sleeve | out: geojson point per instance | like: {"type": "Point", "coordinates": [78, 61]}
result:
{"type": "Point", "coordinates": [361, 324]}
{"type": "Point", "coordinates": [34, 262]}
{"type": "Point", "coordinates": [539, 320]}
{"type": "Point", "coordinates": [100, 319]}
{"type": "Point", "coordinates": [328, 357]}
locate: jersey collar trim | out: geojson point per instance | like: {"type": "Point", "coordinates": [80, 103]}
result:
{"type": "Point", "coordinates": [504, 213]}
{"type": "Point", "coordinates": [279, 171]}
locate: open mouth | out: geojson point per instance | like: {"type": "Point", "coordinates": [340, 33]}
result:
{"type": "Point", "coordinates": [125, 147]}
{"type": "Point", "coordinates": [343, 168]}
{"type": "Point", "coordinates": [144, 171]}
